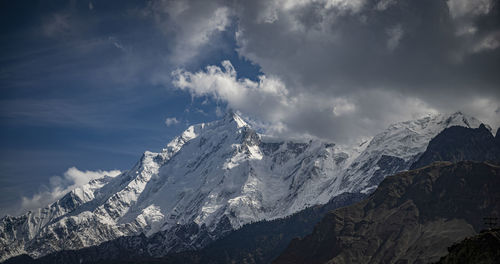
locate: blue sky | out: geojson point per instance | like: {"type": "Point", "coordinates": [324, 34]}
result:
{"type": "Point", "coordinates": [90, 84]}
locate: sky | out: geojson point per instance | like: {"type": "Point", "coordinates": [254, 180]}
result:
{"type": "Point", "coordinates": [87, 86]}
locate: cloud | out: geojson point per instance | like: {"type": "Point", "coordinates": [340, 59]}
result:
{"type": "Point", "coordinates": [329, 67]}
{"type": "Point", "coordinates": [170, 121]}
{"type": "Point", "coordinates": [282, 114]}
{"type": "Point", "coordinates": [397, 51]}
{"type": "Point", "coordinates": [320, 59]}
{"type": "Point", "coordinates": [342, 106]}
{"type": "Point", "coordinates": [265, 98]}
{"type": "Point", "coordinates": [395, 34]}
{"type": "Point", "coordinates": [190, 25]}
{"type": "Point", "coordinates": [57, 24]}
{"type": "Point", "coordinates": [460, 8]}
{"type": "Point", "coordinates": [487, 43]}
{"type": "Point", "coordinates": [60, 185]}
{"type": "Point", "coordinates": [384, 4]}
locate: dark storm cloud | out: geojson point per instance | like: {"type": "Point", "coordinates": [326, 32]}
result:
{"type": "Point", "coordinates": [338, 51]}
{"type": "Point", "coordinates": [402, 49]}
{"type": "Point", "coordinates": [349, 68]}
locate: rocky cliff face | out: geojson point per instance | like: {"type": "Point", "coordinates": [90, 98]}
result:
{"type": "Point", "coordinates": [212, 179]}
{"type": "Point", "coordinates": [411, 218]}
{"type": "Point", "coordinates": [460, 143]}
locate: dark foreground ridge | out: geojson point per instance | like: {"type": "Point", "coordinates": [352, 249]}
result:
{"type": "Point", "coordinates": [411, 218]}
{"type": "Point", "coordinates": [460, 143]}
{"type": "Point", "coordinates": [483, 248]}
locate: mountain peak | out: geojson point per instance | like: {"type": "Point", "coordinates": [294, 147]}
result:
{"type": "Point", "coordinates": [230, 120]}
{"type": "Point", "coordinates": [235, 117]}
{"type": "Point", "coordinates": [461, 119]}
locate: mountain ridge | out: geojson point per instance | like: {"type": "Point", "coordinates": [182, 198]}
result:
{"type": "Point", "coordinates": [475, 144]}
{"type": "Point", "coordinates": [215, 177]}
{"type": "Point", "coordinates": [414, 215]}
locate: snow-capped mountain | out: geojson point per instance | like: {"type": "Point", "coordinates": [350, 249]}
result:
{"type": "Point", "coordinates": [213, 178]}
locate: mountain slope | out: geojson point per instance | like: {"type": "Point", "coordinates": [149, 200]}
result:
{"type": "Point", "coordinates": [214, 178]}
{"type": "Point", "coordinates": [460, 143]}
{"type": "Point", "coordinates": [422, 207]}
{"type": "Point", "coordinates": [258, 242]}
{"type": "Point", "coordinates": [396, 148]}
{"type": "Point", "coordinates": [411, 218]}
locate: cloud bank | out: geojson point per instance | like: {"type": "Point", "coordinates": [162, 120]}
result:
{"type": "Point", "coordinates": [339, 69]}
{"type": "Point", "coordinates": [302, 114]}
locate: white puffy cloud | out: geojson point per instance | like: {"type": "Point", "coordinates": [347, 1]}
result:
{"type": "Point", "coordinates": [60, 185]}
{"type": "Point", "coordinates": [170, 121]}
{"type": "Point", "coordinates": [265, 98]}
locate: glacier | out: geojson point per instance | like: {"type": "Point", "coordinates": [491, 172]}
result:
{"type": "Point", "coordinates": [213, 178]}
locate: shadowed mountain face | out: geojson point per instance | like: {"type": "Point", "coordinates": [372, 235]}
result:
{"type": "Point", "coordinates": [411, 218]}
{"type": "Point", "coordinates": [460, 143]}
